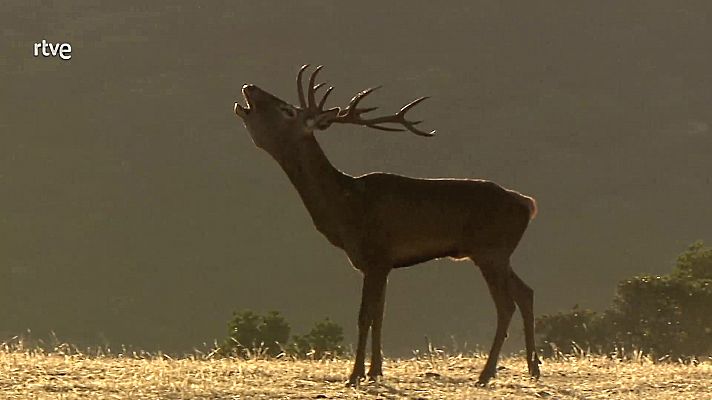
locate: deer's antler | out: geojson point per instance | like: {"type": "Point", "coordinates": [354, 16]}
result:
{"type": "Point", "coordinates": [309, 103]}
{"type": "Point", "coordinates": [352, 114]}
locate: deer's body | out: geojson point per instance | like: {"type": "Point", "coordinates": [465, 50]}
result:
{"type": "Point", "coordinates": [414, 220]}
{"type": "Point", "coordinates": [384, 221]}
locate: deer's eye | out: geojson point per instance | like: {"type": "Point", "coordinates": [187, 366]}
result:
{"type": "Point", "coordinates": [288, 111]}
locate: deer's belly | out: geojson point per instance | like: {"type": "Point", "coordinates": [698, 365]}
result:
{"type": "Point", "coordinates": [419, 250]}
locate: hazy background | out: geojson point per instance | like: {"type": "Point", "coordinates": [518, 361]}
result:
{"type": "Point", "coordinates": [135, 209]}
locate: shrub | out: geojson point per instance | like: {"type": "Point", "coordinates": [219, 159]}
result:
{"type": "Point", "coordinates": [662, 315]}
{"type": "Point", "coordinates": [253, 334]}
{"type": "Point", "coordinates": [574, 331]}
{"type": "Point", "coordinates": [250, 333]}
{"type": "Point", "coordinates": [323, 340]}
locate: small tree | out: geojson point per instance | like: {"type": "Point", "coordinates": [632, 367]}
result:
{"type": "Point", "coordinates": [250, 332]}
{"type": "Point", "coordinates": [324, 339]}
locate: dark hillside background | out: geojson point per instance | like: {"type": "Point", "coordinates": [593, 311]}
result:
{"type": "Point", "coordinates": [134, 208]}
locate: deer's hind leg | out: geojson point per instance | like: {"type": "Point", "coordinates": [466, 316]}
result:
{"type": "Point", "coordinates": [497, 275]}
{"type": "Point", "coordinates": [524, 297]}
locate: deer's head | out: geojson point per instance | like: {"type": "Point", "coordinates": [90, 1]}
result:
{"type": "Point", "coordinates": [272, 121]}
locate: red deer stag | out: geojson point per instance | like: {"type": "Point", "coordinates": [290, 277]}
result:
{"type": "Point", "coordinates": [384, 221]}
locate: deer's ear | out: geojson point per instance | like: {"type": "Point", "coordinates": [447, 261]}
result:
{"type": "Point", "coordinates": [324, 120]}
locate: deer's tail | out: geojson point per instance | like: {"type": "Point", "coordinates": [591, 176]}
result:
{"type": "Point", "coordinates": [530, 202]}
{"type": "Point", "coordinates": [527, 201]}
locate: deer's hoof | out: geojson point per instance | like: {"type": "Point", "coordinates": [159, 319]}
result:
{"type": "Point", "coordinates": [534, 369]}
{"type": "Point", "coordinates": [485, 377]}
{"type": "Point", "coordinates": [374, 374]}
{"type": "Point", "coordinates": [354, 380]}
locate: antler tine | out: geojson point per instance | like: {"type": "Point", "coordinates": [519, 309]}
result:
{"type": "Point", "coordinates": [410, 124]}
{"type": "Point", "coordinates": [312, 88]}
{"type": "Point", "coordinates": [411, 105]}
{"type": "Point", "coordinates": [410, 127]}
{"type": "Point", "coordinates": [300, 89]}
{"type": "Point", "coordinates": [351, 110]}
{"type": "Point", "coordinates": [323, 99]}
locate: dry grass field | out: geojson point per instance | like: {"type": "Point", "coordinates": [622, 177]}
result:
{"type": "Point", "coordinates": [28, 375]}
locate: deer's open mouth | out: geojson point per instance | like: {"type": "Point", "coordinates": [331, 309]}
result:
{"type": "Point", "coordinates": [239, 109]}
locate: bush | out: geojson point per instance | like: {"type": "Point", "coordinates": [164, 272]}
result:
{"type": "Point", "coordinates": [574, 331]}
{"type": "Point", "coordinates": [661, 315]}
{"type": "Point", "coordinates": [252, 333]}
{"type": "Point", "coordinates": [695, 263]}
{"type": "Point", "coordinates": [323, 340]}
{"type": "Point", "coordinates": [664, 315]}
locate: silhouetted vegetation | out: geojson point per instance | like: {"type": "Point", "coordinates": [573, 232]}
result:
{"type": "Point", "coordinates": [324, 339]}
{"type": "Point", "coordinates": [662, 315]}
{"type": "Point", "coordinates": [253, 334]}
{"type": "Point", "coordinates": [250, 332]}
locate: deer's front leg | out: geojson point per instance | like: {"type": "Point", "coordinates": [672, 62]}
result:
{"type": "Point", "coordinates": [364, 323]}
{"type": "Point", "coordinates": [372, 285]}
{"type": "Point", "coordinates": [376, 368]}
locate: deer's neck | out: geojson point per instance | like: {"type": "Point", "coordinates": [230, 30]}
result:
{"type": "Point", "coordinates": [323, 188]}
